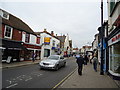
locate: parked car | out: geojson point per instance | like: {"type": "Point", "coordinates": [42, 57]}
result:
{"type": "Point", "coordinates": [53, 62]}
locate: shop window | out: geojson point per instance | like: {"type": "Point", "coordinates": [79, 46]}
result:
{"type": "Point", "coordinates": [46, 52]}
{"type": "Point", "coordinates": [115, 58]}
{"type": "Point", "coordinates": [8, 32]}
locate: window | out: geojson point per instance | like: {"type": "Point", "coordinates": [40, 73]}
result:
{"type": "Point", "coordinates": [8, 32]}
{"type": "Point", "coordinates": [27, 38]}
{"type": "Point", "coordinates": [112, 5]}
{"type": "Point", "coordinates": [38, 40]}
{"type": "Point", "coordinates": [5, 15]}
{"type": "Point", "coordinates": [53, 43]}
{"type": "Point", "coordinates": [115, 58]}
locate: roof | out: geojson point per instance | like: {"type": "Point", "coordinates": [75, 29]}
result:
{"type": "Point", "coordinates": [38, 33]}
{"type": "Point", "coordinates": [62, 38]}
{"type": "Point", "coordinates": [87, 46]}
{"type": "Point", "coordinates": [17, 23]}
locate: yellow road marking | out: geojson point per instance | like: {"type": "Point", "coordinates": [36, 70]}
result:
{"type": "Point", "coordinates": [64, 79]}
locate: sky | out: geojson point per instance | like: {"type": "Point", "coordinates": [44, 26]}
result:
{"type": "Point", "coordinates": [79, 19]}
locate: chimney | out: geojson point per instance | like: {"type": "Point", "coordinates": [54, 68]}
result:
{"type": "Point", "coordinates": [45, 30]}
{"type": "Point", "coordinates": [63, 35]}
{"type": "Point", "coordinates": [52, 33]}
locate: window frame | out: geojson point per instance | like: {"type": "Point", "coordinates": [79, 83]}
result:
{"type": "Point", "coordinates": [10, 32]}
{"type": "Point", "coordinates": [27, 38]}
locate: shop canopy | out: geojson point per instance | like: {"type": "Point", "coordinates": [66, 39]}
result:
{"type": "Point", "coordinates": [10, 44]}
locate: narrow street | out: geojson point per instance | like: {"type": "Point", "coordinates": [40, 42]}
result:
{"type": "Point", "coordinates": [32, 77]}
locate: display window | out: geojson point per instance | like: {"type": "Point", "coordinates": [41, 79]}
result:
{"type": "Point", "coordinates": [115, 58]}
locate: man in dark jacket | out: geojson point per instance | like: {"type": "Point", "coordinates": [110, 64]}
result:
{"type": "Point", "coordinates": [86, 59]}
{"type": "Point", "coordinates": [80, 62]}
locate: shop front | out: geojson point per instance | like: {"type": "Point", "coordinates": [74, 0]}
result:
{"type": "Point", "coordinates": [32, 49]}
{"type": "Point", "coordinates": [11, 50]}
{"type": "Point", "coordinates": [114, 55]}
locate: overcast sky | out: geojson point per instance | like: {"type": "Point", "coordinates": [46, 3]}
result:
{"type": "Point", "coordinates": [80, 19]}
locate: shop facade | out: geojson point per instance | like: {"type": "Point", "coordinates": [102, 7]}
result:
{"type": "Point", "coordinates": [49, 44]}
{"type": "Point", "coordinates": [32, 49]}
{"type": "Point", "coordinates": [114, 54]}
{"type": "Point", "coordinates": [11, 50]}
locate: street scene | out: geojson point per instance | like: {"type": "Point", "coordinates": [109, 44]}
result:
{"type": "Point", "coordinates": [58, 44]}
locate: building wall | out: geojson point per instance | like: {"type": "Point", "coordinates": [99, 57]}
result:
{"type": "Point", "coordinates": [3, 29]}
{"type": "Point", "coordinates": [17, 35]}
{"type": "Point", "coordinates": [114, 42]}
{"type": "Point", "coordinates": [49, 46]}
{"type": "Point", "coordinates": [113, 17]}
{"type": "Point", "coordinates": [66, 45]}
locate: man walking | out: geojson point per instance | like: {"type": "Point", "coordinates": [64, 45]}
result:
{"type": "Point", "coordinates": [80, 62]}
{"type": "Point", "coordinates": [95, 62]}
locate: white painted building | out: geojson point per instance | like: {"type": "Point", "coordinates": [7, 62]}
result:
{"type": "Point", "coordinates": [50, 44]}
{"type": "Point", "coordinates": [96, 46]}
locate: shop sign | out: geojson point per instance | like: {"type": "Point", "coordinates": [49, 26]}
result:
{"type": "Point", "coordinates": [115, 39]}
{"type": "Point", "coordinates": [32, 46]}
{"type": "Point", "coordinates": [53, 48]}
{"type": "Point", "coordinates": [47, 40]}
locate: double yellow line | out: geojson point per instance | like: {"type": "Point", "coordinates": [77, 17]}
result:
{"type": "Point", "coordinates": [63, 79]}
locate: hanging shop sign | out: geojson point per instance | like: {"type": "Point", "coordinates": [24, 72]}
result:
{"type": "Point", "coordinates": [115, 39]}
{"type": "Point", "coordinates": [47, 40]}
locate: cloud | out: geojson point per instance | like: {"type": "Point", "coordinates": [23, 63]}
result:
{"type": "Point", "coordinates": [79, 19]}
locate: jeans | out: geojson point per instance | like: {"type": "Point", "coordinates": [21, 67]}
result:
{"type": "Point", "coordinates": [95, 66]}
{"type": "Point", "coordinates": [80, 70]}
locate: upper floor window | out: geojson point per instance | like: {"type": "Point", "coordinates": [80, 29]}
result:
{"type": "Point", "coordinates": [53, 43]}
{"type": "Point", "coordinates": [27, 38]}
{"type": "Point", "coordinates": [4, 14]}
{"type": "Point", "coordinates": [112, 4]}
{"type": "Point", "coordinates": [38, 40]}
{"type": "Point", "coordinates": [8, 32]}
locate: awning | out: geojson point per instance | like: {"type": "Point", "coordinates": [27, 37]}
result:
{"type": "Point", "coordinates": [10, 44]}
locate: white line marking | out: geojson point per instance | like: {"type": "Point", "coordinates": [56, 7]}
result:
{"type": "Point", "coordinates": [12, 85]}
{"type": "Point", "coordinates": [28, 79]}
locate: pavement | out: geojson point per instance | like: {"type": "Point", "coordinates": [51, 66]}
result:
{"type": "Point", "coordinates": [89, 79]}
{"type": "Point", "coordinates": [17, 64]}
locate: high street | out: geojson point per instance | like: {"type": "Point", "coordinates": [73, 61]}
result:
{"type": "Point", "coordinates": [31, 76]}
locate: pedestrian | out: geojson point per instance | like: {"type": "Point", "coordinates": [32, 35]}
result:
{"type": "Point", "coordinates": [33, 57]}
{"type": "Point", "coordinates": [91, 57]}
{"type": "Point", "coordinates": [95, 62]}
{"type": "Point", "coordinates": [80, 62]}
{"type": "Point", "coordinates": [86, 60]}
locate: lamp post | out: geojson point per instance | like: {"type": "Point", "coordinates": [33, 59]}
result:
{"type": "Point", "coordinates": [101, 31]}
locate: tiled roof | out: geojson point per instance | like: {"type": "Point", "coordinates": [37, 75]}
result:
{"type": "Point", "coordinates": [17, 24]}
{"type": "Point", "coordinates": [62, 38]}
{"type": "Point", "coordinates": [38, 33]}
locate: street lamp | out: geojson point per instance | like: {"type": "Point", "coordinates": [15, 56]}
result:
{"type": "Point", "coordinates": [101, 31]}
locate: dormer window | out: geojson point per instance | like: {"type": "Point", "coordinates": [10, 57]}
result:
{"type": "Point", "coordinates": [4, 14]}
